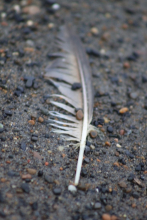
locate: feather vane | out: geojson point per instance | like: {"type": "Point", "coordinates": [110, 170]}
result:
{"type": "Point", "coordinates": [71, 66]}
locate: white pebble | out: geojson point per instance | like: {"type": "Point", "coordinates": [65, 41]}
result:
{"type": "Point", "coordinates": [56, 7]}
{"type": "Point", "coordinates": [72, 188]}
{"type": "Point", "coordinates": [118, 145]}
{"type": "Point", "coordinates": [17, 8]}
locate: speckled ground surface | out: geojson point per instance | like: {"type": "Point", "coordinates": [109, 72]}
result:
{"type": "Point", "coordinates": [36, 166]}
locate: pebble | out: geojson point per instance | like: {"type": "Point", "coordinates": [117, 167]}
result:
{"type": "Point", "coordinates": [33, 138]}
{"type": "Point", "coordinates": [40, 119]}
{"type": "Point", "coordinates": [86, 160]}
{"type": "Point", "coordinates": [122, 184]}
{"type": "Point", "coordinates": [8, 112]}
{"type": "Point", "coordinates": [40, 173]}
{"type": "Point", "coordinates": [106, 217]}
{"type": "Point", "coordinates": [94, 31]}
{"type": "Point", "coordinates": [110, 129]}
{"type": "Point", "coordinates": [97, 205]}
{"type": "Point", "coordinates": [12, 173]}
{"type": "Point", "coordinates": [57, 191]}
{"type": "Point", "coordinates": [72, 188]}
{"type": "Point", "coordinates": [121, 132]}
{"type": "Point", "coordinates": [107, 143]}
{"type": "Point", "coordinates": [126, 65]}
{"type": "Point", "coordinates": [37, 155]}
{"type": "Point", "coordinates": [138, 168]}
{"type": "Point", "coordinates": [76, 86]}
{"type": "Point", "coordinates": [93, 52]}
{"type": "Point", "coordinates": [26, 176]}
{"type": "Point", "coordinates": [128, 189]}
{"type": "Point", "coordinates": [25, 187]}
{"type": "Point", "coordinates": [31, 122]}
{"type": "Point", "coordinates": [79, 115]}
{"type": "Point", "coordinates": [31, 171]}
{"type": "Point", "coordinates": [93, 134]}
{"type": "Point", "coordinates": [108, 208]}
{"type": "Point", "coordinates": [55, 6]}
{"type": "Point", "coordinates": [31, 10]}
{"type": "Point", "coordinates": [35, 206]}
{"type": "Point", "coordinates": [118, 145]}
{"type": "Point", "coordinates": [123, 110]}
{"type": "Point", "coordinates": [23, 146]}
{"type": "Point", "coordinates": [113, 217]}
{"type": "Point", "coordinates": [49, 178]}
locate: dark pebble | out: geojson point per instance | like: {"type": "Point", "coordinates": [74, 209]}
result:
{"type": "Point", "coordinates": [26, 30]}
{"type": "Point", "coordinates": [86, 160]}
{"type": "Point", "coordinates": [76, 86]}
{"type": "Point", "coordinates": [142, 177]}
{"type": "Point", "coordinates": [138, 168]}
{"type": "Point", "coordinates": [1, 130]}
{"type": "Point", "coordinates": [33, 138]}
{"type": "Point", "coordinates": [122, 160]}
{"type": "Point", "coordinates": [49, 179]}
{"type": "Point", "coordinates": [57, 191]}
{"type": "Point", "coordinates": [97, 205]}
{"type": "Point", "coordinates": [48, 2]}
{"type": "Point", "coordinates": [2, 199]}
{"type": "Point", "coordinates": [8, 112]}
{"type": "Point", "coordinates": [23, 146]}
{"type": "Point", "coordinates": [83, 172]}
{"type": "Point", "coordinates": [87, 150]}
{"type": "Point", "coordinates": [40, 173]}
{"type": "Point", "coordinates": [135, 195]}
{"type": "Point", "coordinates": [29, 83]}
{"type": "Point", "coordinates": [12, 173]}
{"type": "Point", "coordinates": [2, 214]}
{"type": "Point", "coordinates": [25, 187]}
{"type": "Point", "coordinates": [11, 156]}
{"type": "Point", "coordinates": [131, 177]}
{"type": "Point", "coordinates": [35, 206]}
{"type": "Point", "coordinates": [144, 79]}
{"type": "Point", "coordinates": [110, 129]}
{"type": "Point", "coordinates": [93, 52]}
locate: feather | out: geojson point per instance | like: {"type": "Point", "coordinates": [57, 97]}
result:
{"type": "Point", "coordinates": [71, 66]}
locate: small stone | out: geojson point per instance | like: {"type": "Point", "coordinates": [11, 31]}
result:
{"type": "Point", "coordinates": [31, 122]}
{"type": "Point", "coordinates": [29, 83]}
{"type": "Point", "coordinates": [55, 6]}
{"type": "Point", "coordinates": [133, 95]}
{"type": "Point", "coordinates": [23, 146]}
{"type": "Point", "coordinates": [40, 119]}
{"type": "Point", "coordinates": [57, 191]}
{"type": "Point", "coordinates": [25, 187]}
{"type": "Point", "coordinates": [125, 26]}
{"type": "Point", "coordinates": [33, 138]}
{"type": "Point", "coordinates": [110, 129]}
{"type": "Point", "coordinates": [108, 208]}
{"type": "Point", "coordinates": [33, 115]}
{"type": "Point", "coordinates": [122, 184]}
{"type": "Point", "coordinates": [40, 173]}
{"type": "Point", "coordinates": [8, 112]}
{"type": "Point", "coordinates": [122, 131]}
{"type": "Point", "coordinates": [118, 145]}
{"type": "Point", "coordinates": [49, 179]}
{"type": "Point", "coordinates": [86, 160]}
{"type": "Point", "coordinates": [97, 205]}
{"type": "Point", "coordinates": [31, 10]}
{"type": "Point", "coordinates": [138, 168]}
{"type": "Point", "coordinates": [37, 155]}
{"type": "Point", "coordinates": [135, 195]}
{"type": "Point", "coordinates": [107, 143]}
{"type": "Point", "coordinates": [128, 189]}
{"type": "Point", "coordinates": [93, 134]}
{"type": "Point", "coordinates": [106, 217]}
{"type": "Point", "coordinates": [126, 65]}
{"type": "Point", "coordinates": [123, 110]}
{"type": "Point", "coordinates": [79, 115]}
{"type": "Point", "coordinates": [72, 188]}
{"type": "Point", "coordinates": [94, 31]}
{"type": "Point", "coordinates": [35, 206]}
{"type": "Point", "coordinates": [76, 86]}
{"type": "Point", "coordinates": [26, 176]}
{"type": "Point", "coordinates": [113, 217]}
{"type": "Point", "coordinates": [93, 52]}
{"type": "Point", "coordinates": [105, 36]}
{"type": "Point", "coordinates": [31, 171]}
